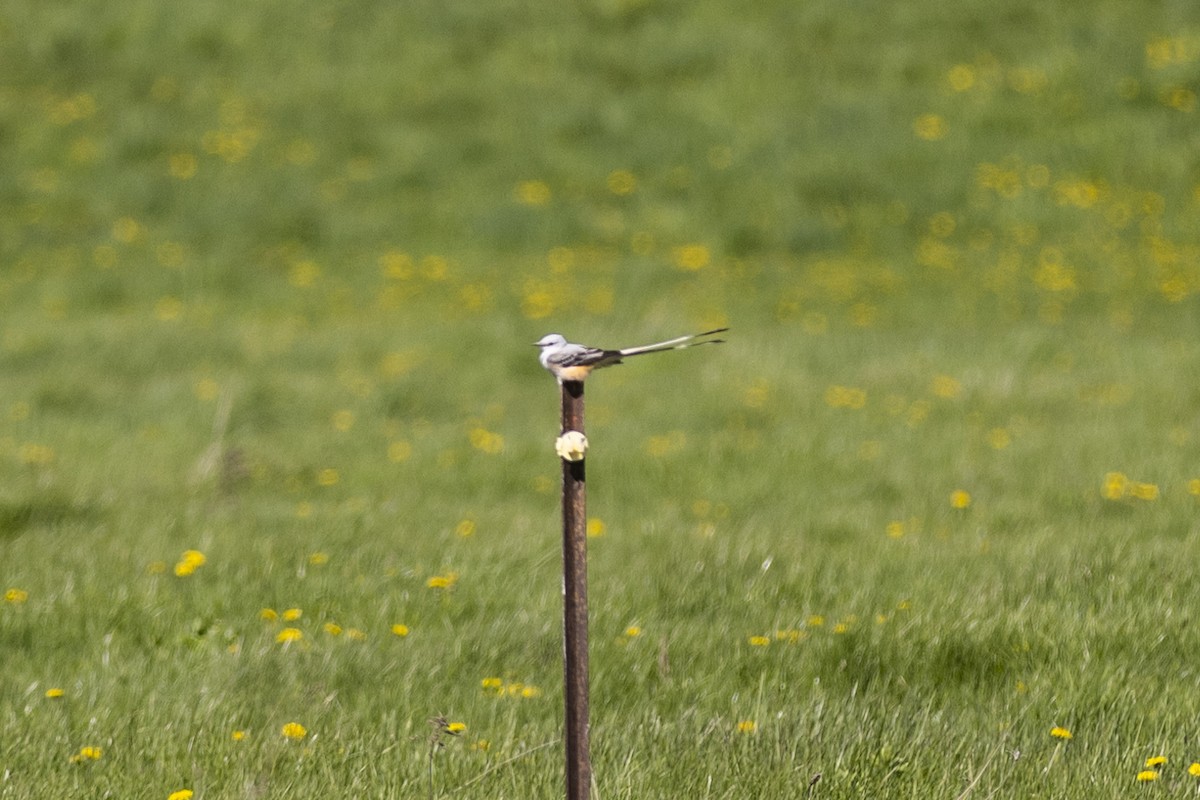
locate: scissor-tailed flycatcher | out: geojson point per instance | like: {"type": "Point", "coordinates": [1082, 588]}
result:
{"type": "Point", "coordinates": [574, 362]}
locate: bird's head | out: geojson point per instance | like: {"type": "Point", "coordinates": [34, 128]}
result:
{"type": "Point", "coordinates": [551, 340]}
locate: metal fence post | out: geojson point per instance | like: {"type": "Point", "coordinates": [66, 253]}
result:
{"type": "Point", "coordinates": [575, 613]}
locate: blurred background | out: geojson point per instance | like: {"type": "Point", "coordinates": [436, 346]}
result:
{"type": "Point", "coordinates": [269, 276]}
{"type": "Point", "coordinates": [617, 166]}
{"type": "Point", "coordinates": [372, 208]}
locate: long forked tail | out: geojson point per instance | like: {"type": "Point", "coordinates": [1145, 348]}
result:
{"type": "Point", "coordinates": [675, 344]}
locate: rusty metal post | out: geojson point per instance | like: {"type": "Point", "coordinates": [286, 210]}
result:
{"type": "Point", "coordinates": [575, 614]}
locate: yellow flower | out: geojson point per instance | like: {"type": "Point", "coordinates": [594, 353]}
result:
{"type": "Point", "coordinates": [960, 499]}
{"type": "Point", "coordinates": [87, 754]}
{"type": "Point", "coordinates": [1144, 491]}
{"type": "Point", "coordinates": [1060, 733]}
{"type": "Point", "coordinates": [268, 614]}
{"type": "Point", "coordinates": [595, 527]}
{"type": "Point", "coordinates": [54, 693]}
{"type": "Point", "coordinates": [691, 257]}
{"type": "Point", "coordinates": [189, 562]}
{"type": "Point", "coordinates": [36, 454]}
{"type": "Point", "coordinates": [182, 794]}
{"type": "Point", "coordinates": [961, 77]}
{"type": "Point", "coordinates": [1194, 769]}
{"type": "Point", "coordinates": [399, 450]}
{"type": "Point", "coordinates": [126, 230]}
{"type": "Point", "coordinates": [486, 441]}
{"type": "Point", "coordinates": [756, 394]}
{"type": "Point", "coordinates": [759, 641]}
{"type": "Point", "coordinates": [183, 166]}
{"type": "Point", "coordinates": [621, 182]}
{"type": "Point", "coordinates": [206, 389]}
{"type": "Point", "coordinates": [304, 273]}
{"type": "Point", "coordinates": [1116, 484]}
{"type": "Point", "coordinates": [946, 387]}
{"type": "Point", "coordinates": [537, 303]}
{"type": "Point", "coordinates": [16, 596]}
{"type": "Point", "coordinates": [491, 683]}
{"type": "Point", "coordinates": [533, 193]}
{"type": "Point", "coordinates": [332, 628]}
{"type": "Point", "coordinates": [1147, 775]}
{"type": "Point", "coordinates": [456, 727]}
{"type": "Point", "coordinates": [1155, 761]}
{"type": "Point", "coordinates": [168, 308]}
{"type": "Point", "coordinates": [845, 397]}
{"type": "Point", "coordinates": [317, 559]}
{"type": "Point", "coordinates": [292, 614]}
{"type": "Point", "coordinates": [999, 438]}
{"type": "Point", "coordinates": [633, 631]}
{"type": "Point", "coordinates": [288, 635]}
{"type": "Point", "coordinates": [446, 581]}
{"type": "Point", "coordinates": [400, 629]}
{"type": "Point", "coordinates": [396, 264]}
{"type": "Point", "coordinates": [356, 635]}
{"type": "Point", "coordinates": [930, 127]}
{"type": "Point", "coordinates": [747, 726]}
{"type": "Point", "coordinates": [238, 736]}
{"type": "Point", "coordinates": [294, 731]}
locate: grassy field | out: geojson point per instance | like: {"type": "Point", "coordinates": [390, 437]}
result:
{"type": "Point", "coordinates": [277, 479]}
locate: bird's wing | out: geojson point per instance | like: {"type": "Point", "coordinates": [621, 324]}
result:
{"type": "Point", "coordinates": [577, 355]}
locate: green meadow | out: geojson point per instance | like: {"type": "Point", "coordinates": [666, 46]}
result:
{"type": "Point", "coordinates": [279, 511]}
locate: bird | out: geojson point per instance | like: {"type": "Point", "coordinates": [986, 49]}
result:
{"type": "Point", "coordinates": [574, 362]}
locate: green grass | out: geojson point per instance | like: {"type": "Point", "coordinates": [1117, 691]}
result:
{"type": "Point", "coordinates": [268, 272]}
